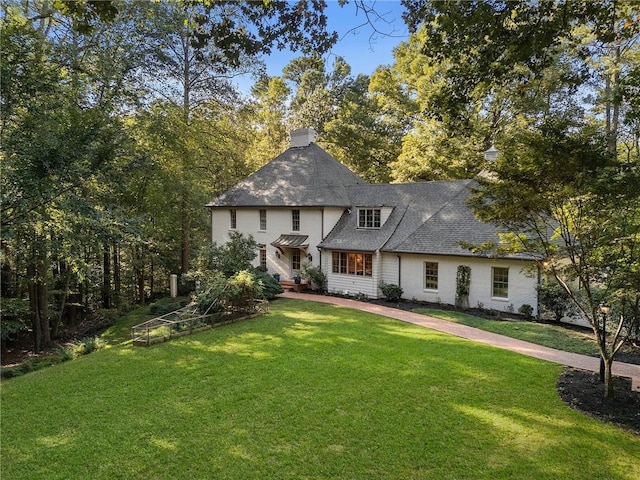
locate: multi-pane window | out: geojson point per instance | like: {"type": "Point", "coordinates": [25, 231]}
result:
{"type": "Point", "coordinates": [339, 262]}
{"type": "Point", "coordinates": [431, 275]}
{"type": "Point", "coordinates": [500, 287]}
{"type": "Point", "coordinates": [263, 257]}
{"type": "Point", "coordinates": [352, 263]}
{"type": "Point", "coordinates": [295, 259]}
{"type": "Point", "coordinates": [233, 222]}
{"type": "Point", "coordinates": [263, 219]}
{"type": "Point", "coordinates": [295, 220]}
{"type": "Point", "coordinates": [369, 218]}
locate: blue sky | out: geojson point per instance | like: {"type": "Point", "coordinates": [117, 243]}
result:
{"type": "Point", "coordinates": [359, 44]}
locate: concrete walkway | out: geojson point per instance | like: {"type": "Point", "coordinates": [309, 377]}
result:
{"type": "Point", "coordinates": [544, 353]}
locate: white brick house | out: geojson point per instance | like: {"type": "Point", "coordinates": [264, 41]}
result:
{"type": "Point", "coordinates": [305, 206]}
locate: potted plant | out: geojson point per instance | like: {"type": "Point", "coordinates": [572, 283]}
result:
{"type": "Point", "coordinates": [276, 276]}
{"type": "Point", "coordinates": [297, 279]}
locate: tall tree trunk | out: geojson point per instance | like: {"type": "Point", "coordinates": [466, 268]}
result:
{"type": "Point", "coordinates": [106, 275]}
{"type": "Point", "coordinates": [43, 292]}
{"type": "Point", "coordinates": [55, 327]}
{"type": "Point", "coordinates": [117, 283]}
{"type": "Point", "coordinates": [140, 274]}
{"type": "Point", "coordinates": [186, 227]}
{"type": "Point", "coordinates": [33, 303]}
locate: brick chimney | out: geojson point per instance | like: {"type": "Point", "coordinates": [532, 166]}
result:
{"type": "Point", "coordinates": [303, 137]}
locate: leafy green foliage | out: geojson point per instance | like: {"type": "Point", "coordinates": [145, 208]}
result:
{"type": "Point", "coordinates": [14, 317]}
{"type": "Point", "coordinates": [392, 292]}
{"type": "Point", "coordinates": [164, 307]}
{"type": "Point", "coordinates": [315, 276]}
{"type": "Point", "coordinates": [217, 292]}
{"type": "Point", "coordinates": [270, 286]}
{"type": "Point", "coordinates": [233, 256]}
{"type": "Point", "coordinates": [526, 310]}
{"type": "Point", "coordinates": [554, 298]}
{"type": "Point", "coordinates": [463, 280]}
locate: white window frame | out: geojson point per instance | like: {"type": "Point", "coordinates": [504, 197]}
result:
{"type": "Point", "coordinates": [295, 220]}
{"type": "Point", "coordinates": [352, 263]}
{"type": "Point", "coordinates": [263, 220]}
{"type": "Point", "coordinates": [369, 218]}
{"type": "Point", "coordinates": [437, 276]}
{"type": "Point", "coordinates": [233, 219]}
{"type": "Point", "coordinates": [496, 293]}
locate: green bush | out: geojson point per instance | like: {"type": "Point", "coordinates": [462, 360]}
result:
{"type": "Point", "coordinates": [14, 315]}
{"type": "Point", "coordinates": [162, 307]}
{"type": "Point", "coordinates": [526, 310]}
{"type": "Point", "coordinates": [242, 289]}
{"type": "Point", "coordinates": [392, 292]}
{"type": "Point", "coordinates": [237, 292]}
{"type": "Point", "coordinates": [554, 298]}
{"type": "Point", "coordinates": [232, 257]}
{"type": "Point", "coordinates": [315, 276]}
{"type": "Point", "coordinates": [270, 286]}
{"type": "Point", "coordinates": [211, 292]}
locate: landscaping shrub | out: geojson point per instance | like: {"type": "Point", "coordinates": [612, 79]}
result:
{"type": "Point", "coordinates": [232, 257]}
{"type": "Point", "coordinates": [242, 289]}
{"type": "Point", "coordinates": [392, 292]}
{"type": "Point", "coordinates": [270, 286]}
{"type": "Point", "coordinates": [526, 310]}
{"type": "Point", "coordinates": [554, 298]}
{"type": "Point", "coordinates": [315, 276]}
{"type": "Point", "coordinates": [163, 307]}
{"type": "Point", "coordinates": [212, 288]}
{"type": "Point", "coordinates": [237, 292]}
{"type": "Point", "coordinates": [14, 315]}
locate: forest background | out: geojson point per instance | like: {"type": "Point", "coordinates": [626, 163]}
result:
{"type": "Point", "coordinates": [120, 120]}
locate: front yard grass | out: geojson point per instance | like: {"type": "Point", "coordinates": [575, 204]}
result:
{"type": "Point", "coordinates": [308, 391]}
{"type": "Point", "coordinates": [552, 336]}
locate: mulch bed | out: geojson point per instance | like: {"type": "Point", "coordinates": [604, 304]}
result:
{"type": "Point", "coordinates": [583, 391]}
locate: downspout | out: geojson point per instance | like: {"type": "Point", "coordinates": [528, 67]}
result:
{"type": "Point", "coordinates": [399, 269]}
{"type": "Point", "coordinates": [321, 237]}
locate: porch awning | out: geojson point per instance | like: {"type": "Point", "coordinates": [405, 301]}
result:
{"type": "Point", "coordinates": [291, 241]}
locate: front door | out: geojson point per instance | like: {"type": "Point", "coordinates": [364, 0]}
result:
{"type": "Point", "coordinates": [295, 262]}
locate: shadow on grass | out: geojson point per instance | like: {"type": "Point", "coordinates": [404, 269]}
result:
{"type": "Point", "coordinates": [308, 391]}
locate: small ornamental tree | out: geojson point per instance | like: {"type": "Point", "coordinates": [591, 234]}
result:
{"type": "Point", "coordinates": [234, 256]}
{"type": "Point", "coordinates": [581, 216]}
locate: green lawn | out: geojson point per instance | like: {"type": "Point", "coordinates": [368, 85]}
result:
{"type": "Point", "coordinates": [553, 336]}
{"type": "Point", "coordinates": [308, 391]}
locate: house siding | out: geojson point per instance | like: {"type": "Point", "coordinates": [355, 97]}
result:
{"type": "Point", "coordinates": [346, 284]}
{"type": "Point", "coordinates": [522, 283]}
{"type": "Point", "coordinates": [278, 222]}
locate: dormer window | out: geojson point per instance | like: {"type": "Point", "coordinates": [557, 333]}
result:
{"type": "Point", "coordinates": [368, 218]}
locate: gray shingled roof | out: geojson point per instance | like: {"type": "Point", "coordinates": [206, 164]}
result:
{"type": "Point", "coordinates": [304, 176]}
{"type": "Point", "coordinates": [428, 218]}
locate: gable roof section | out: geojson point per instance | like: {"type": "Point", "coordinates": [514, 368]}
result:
{"type": "Point", "coordinates": [413, 204]}
{"type": "Point", "coordinates": [428, 218]}
{"type": "Point", "coordinates": [299, 177]}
